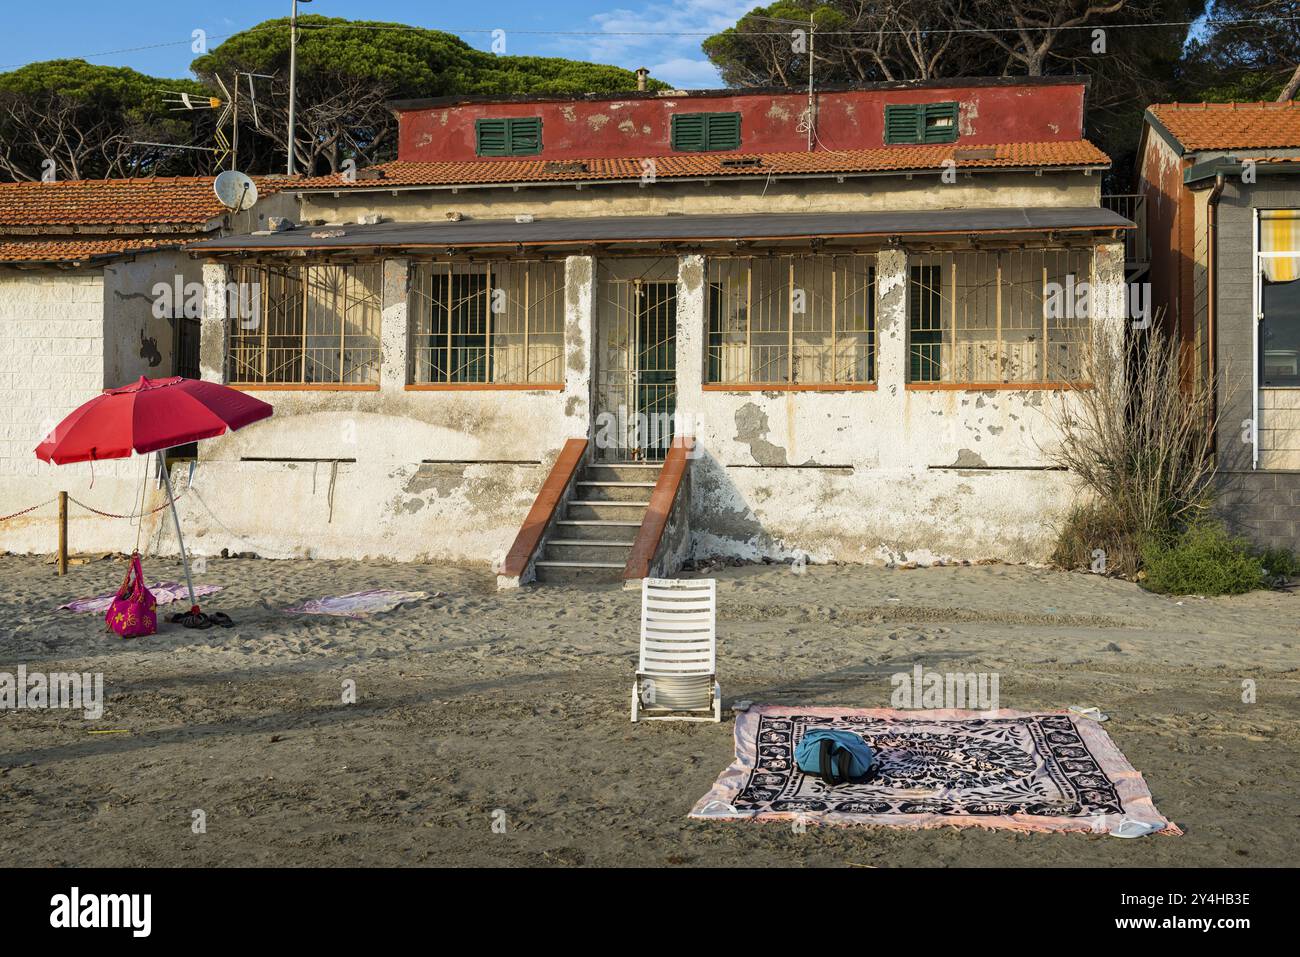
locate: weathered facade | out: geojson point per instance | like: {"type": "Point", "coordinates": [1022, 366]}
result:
{"type": "Point", "coordinates": [80, 268]}
{"type": "Point", "coordinates": [858, 327]}
{"type": "Point", "coordinates": [1222, 188]}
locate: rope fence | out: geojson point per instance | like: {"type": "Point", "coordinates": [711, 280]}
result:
{"type": "Point", "coordinates": [91, 508]}
{"type": "Point", "coordinates": [63, 498]}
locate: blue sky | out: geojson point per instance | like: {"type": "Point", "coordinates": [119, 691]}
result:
{"type": "Point", "coordinates": [154, 36]}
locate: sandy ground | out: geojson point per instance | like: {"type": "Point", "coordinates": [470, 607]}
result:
{"type": "Point", "coordinates": [478, 701]}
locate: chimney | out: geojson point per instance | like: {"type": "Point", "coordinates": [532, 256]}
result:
{"type": "Point", "coordinates": [642, 74]}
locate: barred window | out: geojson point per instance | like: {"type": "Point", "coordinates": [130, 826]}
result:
{"type": "Point", "coordinates": [499, 323]}
{"type": "Point", "coordinates": [1014, 316]}
{"type": "Point", "coordinates": [305, 325]}
{"type": "Point", "coordinates": [792, 321]}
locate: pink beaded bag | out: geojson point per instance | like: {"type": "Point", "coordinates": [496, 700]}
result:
{"type": "Point", "coordinates": [134, 612]}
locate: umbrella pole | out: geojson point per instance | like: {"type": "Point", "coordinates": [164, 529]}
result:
{"type": "Point", "coordinates": [176, 519]}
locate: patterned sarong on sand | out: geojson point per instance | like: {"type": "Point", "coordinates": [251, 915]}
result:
{"type": "Point", "coordinates": [1027, 771]}
{"type": "Point", "coordinates": [357, 604]}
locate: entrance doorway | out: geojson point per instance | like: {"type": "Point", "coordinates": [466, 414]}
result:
{"type": "Point", "coordinates": [638, 366]}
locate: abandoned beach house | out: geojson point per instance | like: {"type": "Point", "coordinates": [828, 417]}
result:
{"type": "Point", "coordinates": [586, 338]}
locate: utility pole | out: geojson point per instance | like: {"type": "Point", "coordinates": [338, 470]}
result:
{"type": "Point", "coordinates": [812, 30]}
{"type": "Point", "coordinates": [293, 80]}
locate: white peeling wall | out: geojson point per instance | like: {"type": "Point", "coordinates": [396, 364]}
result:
{"type": "Point", "coordinates": [750, 194]}
{"type": "Point", "coordinates": [393, 473]}
{"type": "Point", "coordinates": [885, 475]}
{"type": "Point", "coordinates": [138, 342]}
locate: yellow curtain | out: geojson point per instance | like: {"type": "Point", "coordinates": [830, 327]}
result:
{"type": "Point", "coordinates": [1279, 232]}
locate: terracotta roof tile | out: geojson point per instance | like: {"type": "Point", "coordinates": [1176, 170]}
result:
{"type": "Point", "coordinates": [73, 250]}
{"type": "Point", "coordinates": [164, 201]}
{"type": "Point", "coordinates": [1231, 126]}
{"type": "Point", "coordinates": [887, 159]}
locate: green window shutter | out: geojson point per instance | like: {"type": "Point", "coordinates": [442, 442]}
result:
{"type": "Point", "coordinates": [513, 136]}
{"type": "Point", "coordinates": [492, 137]}
{"type": "Point", "coordinates": [688, 132]}
{"type": "Point", "coordinates": [903, 123]}
{"type": "Point", "coordinates": [525, 136]}
{"type": "Point", "coordinates": [939, 123]}
{"type": "Point", "coordinates": [699, 132]}
{"type": "Point", "coordinates": [722, 131]}
{"type": "Point", "coordinates": [920, 123]}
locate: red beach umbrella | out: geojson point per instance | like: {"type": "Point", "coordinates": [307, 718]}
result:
{"type": "Point", "coordinates": [146, 416]}
{"type": "Point", "coordinates": [151, 415]}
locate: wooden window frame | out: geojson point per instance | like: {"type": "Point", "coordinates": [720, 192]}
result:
{"type": "Point", "coordinates": [784, 297]}
{"type": "Point", "coordinates": [947, 331]}
{"type": "Point", "coordinates": [302, 303]}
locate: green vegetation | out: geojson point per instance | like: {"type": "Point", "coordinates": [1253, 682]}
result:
{"type": "Point", "coordinates": [85, 118]}
{"type": "Point", "coordinates": [1205, 560]}
{"type": "Point", "coordinates": [88, 118]}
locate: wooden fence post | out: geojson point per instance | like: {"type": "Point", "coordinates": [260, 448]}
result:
{"type": "Point", "coordinates": [63, 533]}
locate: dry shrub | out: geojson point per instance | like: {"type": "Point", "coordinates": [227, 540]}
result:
{"type": "Point", "coordinates": [1140, 442]}
{"type": "Point", "coordinates": [1090, 527]}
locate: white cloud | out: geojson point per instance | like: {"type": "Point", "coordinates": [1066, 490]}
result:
{"type": "Point", "coordinates": [678, 58]}
{"type": "Point", "coordinates": [686, 74]}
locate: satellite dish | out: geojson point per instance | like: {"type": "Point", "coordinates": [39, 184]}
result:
{"type": "Point", "coordinates": [235, 190]}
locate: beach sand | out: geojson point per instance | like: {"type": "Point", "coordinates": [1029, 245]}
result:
{"type": "Point", "coordinates": [478, 706]}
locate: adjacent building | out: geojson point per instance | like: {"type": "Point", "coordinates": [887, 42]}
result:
{"type": "Point", "coordinates": [1221, 187]}
{"type": "Point", "coordinates": [95, 291]}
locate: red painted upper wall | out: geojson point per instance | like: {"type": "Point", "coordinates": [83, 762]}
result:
{"type": "Point", "coordinates": [1022, 112]}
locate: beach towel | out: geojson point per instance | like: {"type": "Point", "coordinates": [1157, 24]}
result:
{"type": "Point", "coordinates": [164, 593]}
{"type": "Point", "coordinates": [357, 604]}
{"type": "Point", "coordinates": [1026, 771]}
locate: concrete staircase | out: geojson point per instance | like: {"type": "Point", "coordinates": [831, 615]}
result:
{"type": "Point", "coordinates": [593, 537]}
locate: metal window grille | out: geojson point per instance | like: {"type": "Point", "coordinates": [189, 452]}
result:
{"type": "Point", "coordinates": [999, 317]}
{"type": "Point", "coordinates": [792, 320]}
{"type": "Point", "coordinates": [307, 325]}
{"type": "Point", "coordinates": [491, 323]}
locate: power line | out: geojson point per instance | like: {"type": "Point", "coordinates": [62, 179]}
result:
{"type": "Point", "coordinates": [686, 34]}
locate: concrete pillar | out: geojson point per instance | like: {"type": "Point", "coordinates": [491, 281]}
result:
{"type": "Point", "coordinates": [213, 328]}
{"type": "Point", "coordinates": [692, 325]}
{"type": "Point", "coordinates": [393, 329]}
{"type": "Point", "coordinates": [891, 349]}
{"type": "Point", "coordinates": [579, 345]}
{"type": "Point", "coordinates": [1109, 297]}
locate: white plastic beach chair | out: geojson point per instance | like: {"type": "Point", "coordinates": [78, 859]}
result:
{"type": "Point", "coordinates": [676, 675]}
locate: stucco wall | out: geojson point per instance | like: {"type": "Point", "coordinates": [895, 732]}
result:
{"type": "Point", "coordinates": [136, 341]}
{"type": "Point", "coordinates": [449, 474]}
{"type": "Point", "coordinates": [393, 473]}
{"type": "Point", "coordinates": [752, 195]}
{"type": "Point", "coordinates": [890, 474]}
{"type": "Point", "coordinates": [640, 126]}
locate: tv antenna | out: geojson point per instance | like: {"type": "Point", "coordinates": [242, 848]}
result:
{"type": "Point", "coordinates": [227, 146]}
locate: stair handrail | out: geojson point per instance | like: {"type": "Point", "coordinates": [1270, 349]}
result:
{"type": "Point", "coordinates": [541, 517]}
{"type": "Point", "coordinates": [658, 513]}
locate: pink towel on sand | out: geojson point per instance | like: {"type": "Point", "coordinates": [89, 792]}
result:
{"type": "Point", "coordinates": [164, 593]}
{"type": "Point", "coordinates": [1027, 771]}
{"type": "Point", "coordinates": [358, 604]}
